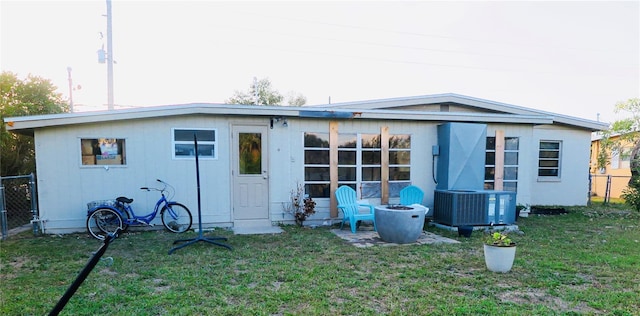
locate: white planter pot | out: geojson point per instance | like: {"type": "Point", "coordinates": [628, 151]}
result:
{"type": "Point", "coordinates": [499, 259]}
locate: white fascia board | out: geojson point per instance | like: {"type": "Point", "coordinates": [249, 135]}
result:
{"type": "Point", "coordinates": [593, 126]}
{"type": "Point", "coordinates": [32, 122]}
{"type": "Point", "coordinates": [473, 102]}
{"type": "Point", "coordinates": [421, 100]}
{"type": "Point", "coordinates": [38, 121]}
{"type": "Point", "coordinates": [456, 117]}
{"type": "Point", "coordinates": [26, 124]}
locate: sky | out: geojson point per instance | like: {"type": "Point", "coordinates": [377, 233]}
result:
{"type": "Point", "coordinates": [576, 58]}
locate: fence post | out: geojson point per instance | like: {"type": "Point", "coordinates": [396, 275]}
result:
{"type": "Point", "coordinates": [607, 190]}
{"type": "Point", "coordinates": [34, 205]}
{"type": "Point", "coordinates": [590, 190]}
{"type": "Point", "coordinates": [3, 213]}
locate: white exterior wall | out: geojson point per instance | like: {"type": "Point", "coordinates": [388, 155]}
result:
{"type": "Point", "coordinates": [573, 186]}
{"type": "Point", "coordinates": [286, 161]}
{"type": "Point", "coordinates": [65, 186]}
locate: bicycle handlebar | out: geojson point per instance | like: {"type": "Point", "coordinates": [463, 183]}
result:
{"type": "Point", "coordinates": [156, 189]}
{"type": "Point", "coordinates": [152, 189]}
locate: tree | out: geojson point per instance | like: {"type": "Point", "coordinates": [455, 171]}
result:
{"type": "Point", "coordinates": [627, 129]}
{"type": "Point", "coordinates": [31, 96]}
{"type": "Point", "coordinates": [296, 99]}
{"type": "Point", "coordinates": [267, 95]}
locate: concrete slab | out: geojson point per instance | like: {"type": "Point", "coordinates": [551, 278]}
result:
{"type": "Point", "coordinates": [20, 229]}
{"type": "Point", "coordinates": [506, 228]}
{"type": "Point", "coordinates": [368, 237]}
{"type": "Point", "coordinates": [257, 230]}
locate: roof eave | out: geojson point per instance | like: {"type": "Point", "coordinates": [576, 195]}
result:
{"type": "Point", "coordinates": [26, 124]}
{"type": "Point", "coordinates": [474, 102]}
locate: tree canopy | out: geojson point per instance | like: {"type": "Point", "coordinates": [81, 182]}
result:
{"type": "Point", "coordinates": [267, 95]}
{"type": "Point", "coordinates": [627, 130]}
{"type": "Point", "coordinates": [30, 96]}
{"type": "Point", "coordinates": [296, 99]}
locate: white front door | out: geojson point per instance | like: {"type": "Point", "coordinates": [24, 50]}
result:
{"type": "Point", "coordinates": [250, 176]}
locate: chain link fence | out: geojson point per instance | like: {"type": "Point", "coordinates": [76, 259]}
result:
{"type": "Point", "coordinates": [607, 186]}
{"type": "Point", "coordinates": [18, 203]}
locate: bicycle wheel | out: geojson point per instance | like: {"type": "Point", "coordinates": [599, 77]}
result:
{"type": "Point", "coordinates": [104, 221]}
{"type": "Point", "coordinates": [176, 217]}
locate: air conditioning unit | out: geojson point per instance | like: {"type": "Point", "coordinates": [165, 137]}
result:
{"type": "Point", "coordinates": [474, 207]}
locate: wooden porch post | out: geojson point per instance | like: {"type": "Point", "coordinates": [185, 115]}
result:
{"type": "Point", "coordinates": [333, 167]}
{"type": "Point", "coordinates": [498, 177]}
{"type": "Point", "coordinates": [384, 165]}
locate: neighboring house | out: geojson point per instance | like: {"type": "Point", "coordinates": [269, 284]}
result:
{"type": "Point", "coordinates": [253, 156]}
{"type": "Point", "coordinates": [616, 174]}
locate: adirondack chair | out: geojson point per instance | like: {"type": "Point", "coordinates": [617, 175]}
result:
{"type": "Point", "coordinates": [411, 195]}
{"type": "Point", "coordinates": [347, 202]}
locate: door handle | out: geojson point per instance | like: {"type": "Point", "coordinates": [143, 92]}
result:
{"type": "Point", "coordinates": [264, 175]}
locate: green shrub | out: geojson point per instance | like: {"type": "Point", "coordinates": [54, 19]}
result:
{"type": "Point", "coordinates": [632, 197]}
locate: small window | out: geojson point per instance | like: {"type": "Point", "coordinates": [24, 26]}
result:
{"type": "Point", "coordinates": [316, 164]}
{"type": "Point", "coordinates": [510, 170]}
{"type": "Point", "coordinates": [348, 153]}
{"type": "Point", "coordinates": [615, 159]}
{"type": "Point", "coordinates": [625, 158]}
{"type": "Point", "coordinates": [549, 159]}
{"type": "Point", "coordinates": [399, 163]}
{"type": "Point", "coordinates": [183, 143]}
{"type": "Point", "coordinates": [103, 151]}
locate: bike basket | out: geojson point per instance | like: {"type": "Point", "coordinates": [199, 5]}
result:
{"type": "Point", "coordinates": [93, 204]}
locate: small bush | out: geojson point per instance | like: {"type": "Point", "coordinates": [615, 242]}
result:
{"type": "Point", "coordinates": [632, 197]}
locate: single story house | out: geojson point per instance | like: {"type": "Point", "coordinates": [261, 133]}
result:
{"type": "Point", "coordinates": [252, 157]}
{"type": "Point", "coordinates": [613, 178]}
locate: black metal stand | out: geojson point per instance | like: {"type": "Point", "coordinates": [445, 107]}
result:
{"type": "Point", "coordinates": [83, 274]}
{"type": "Point", "coordinates": [211, 240]}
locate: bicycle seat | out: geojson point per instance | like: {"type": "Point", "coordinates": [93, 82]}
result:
{"type": "Point", "coordinates": [123, 199]}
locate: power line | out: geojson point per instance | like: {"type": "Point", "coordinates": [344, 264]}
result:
{"type": "Point", "coordinates": [387, 60]}
{"type": "Point", "coordinates": [350, 41]}
{"type": "Point", "coordinates": [418, 34]}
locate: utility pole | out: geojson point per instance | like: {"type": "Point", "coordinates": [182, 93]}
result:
{"type": "Point", "coordinates": [70, 90]}
{"type": "Point", "coordinates": [109, 59]}
{"type": "Point", "coordinates": [255, 90]}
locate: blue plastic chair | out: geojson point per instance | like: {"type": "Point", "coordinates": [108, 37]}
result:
{"type": "Point", "coordinates": [347, 202]}
{"type": "Point", "coordinates": [411, 195]}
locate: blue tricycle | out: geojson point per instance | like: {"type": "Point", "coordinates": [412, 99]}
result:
{"type": "Point", "coordinates": [105, 217]}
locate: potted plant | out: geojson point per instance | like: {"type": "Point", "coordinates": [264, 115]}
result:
{"type": "Point", "coordinates": [300, 206]}
{"type": "Point", "coordinates": [499, 252]}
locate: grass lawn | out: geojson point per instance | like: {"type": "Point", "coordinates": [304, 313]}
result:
{"type": "Point", "coordinates": [612, 200]}
{"type": "Point", "coordinates": [584, 262]}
